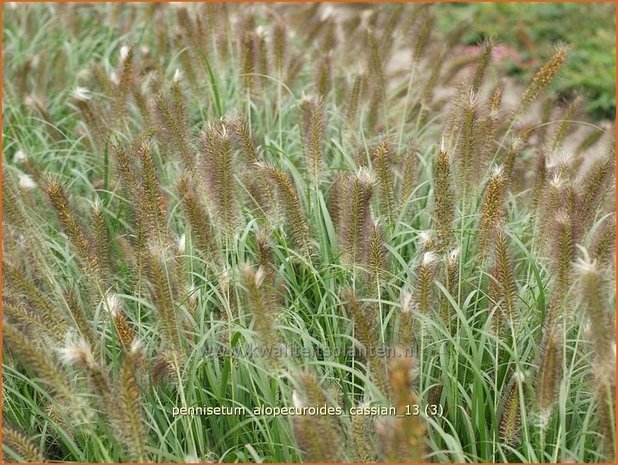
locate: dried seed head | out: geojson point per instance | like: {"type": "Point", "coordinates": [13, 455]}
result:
{"type": "Point", "coordinates": [425, 282]}
{"type": "Point", "coordinates": [312, 127]}
{"type": "Point", "coordinates": [357, 217]}
{"type": "Point", "coordinates": [549, 375]}
{"type": "Point", "coordinates": [492, 214]}
{"type": "Point", "coordinates": [402, 438]}
{"type": "Point", "coordinates": [25, 447]}
{"type": "Point", "coordinates": [279, 45]}
{"type": "Point", "coordinates": [381, 157]}
{"type": "Point", "coordinates": [219, 172]}
{"type": "Point", "coordinates": [444, 208]}
{"type": "Point", "coordinates": [510, 413]}
{"type": "Point", "coordinates": [291, 205]}
{"type": "Point", "coordinates": [542, 78]}
{"type": "Point", "coordinates": [604, 240]}
{"type": "Point", "coordinates": [482, 64]}
{"type": "Point", "coordinates": [317, 435]}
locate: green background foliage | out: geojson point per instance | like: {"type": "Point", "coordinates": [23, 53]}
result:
{"type": "Point", "coordinates": [590, 29]}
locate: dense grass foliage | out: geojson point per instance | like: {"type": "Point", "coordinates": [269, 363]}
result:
{"type": "Point", "coordinates": [244, 207]}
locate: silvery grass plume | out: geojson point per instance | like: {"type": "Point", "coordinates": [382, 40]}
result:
{"type": "Point", "coordinates": [337, 196]}
{"type": "Point", "coordinates": [13, 210]}
{"type": "Point", "coordinates": [186, 58]}
{"type": "Point", "coordinates": [152, 199]}
{"type": "Point", "coordinates": [514, 148]}
{"type": "Point", "coordinates": [126, 80]}
{"type": "Point", "coordinates": [391, 23]}
{"type": "Point", "coordinates": [540, 180]}
{"type": "Point", "coordinates": [92, 114]}
{"type": "Point", "coordinates": [266, 260]}
{"type": "Point", "coordinates": [558, 194]}
{"type": "Point", "coordinates": [317, 435]}
{"type": "Point", "coordinates": [423, 35]}
{"type": "Point", "coordinates": [160, 253]}
{"type": "Point", "coordinates": [263, 64]}
{"type": "Point", "coordinates": [375, 67]}
{"type": "Point", "coordinates": [248, 62]}
{"type": "Point", "coordinates": [593, 136]}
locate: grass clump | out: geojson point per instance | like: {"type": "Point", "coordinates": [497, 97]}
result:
{"type": "Point", "coordinates": [248, 208]}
